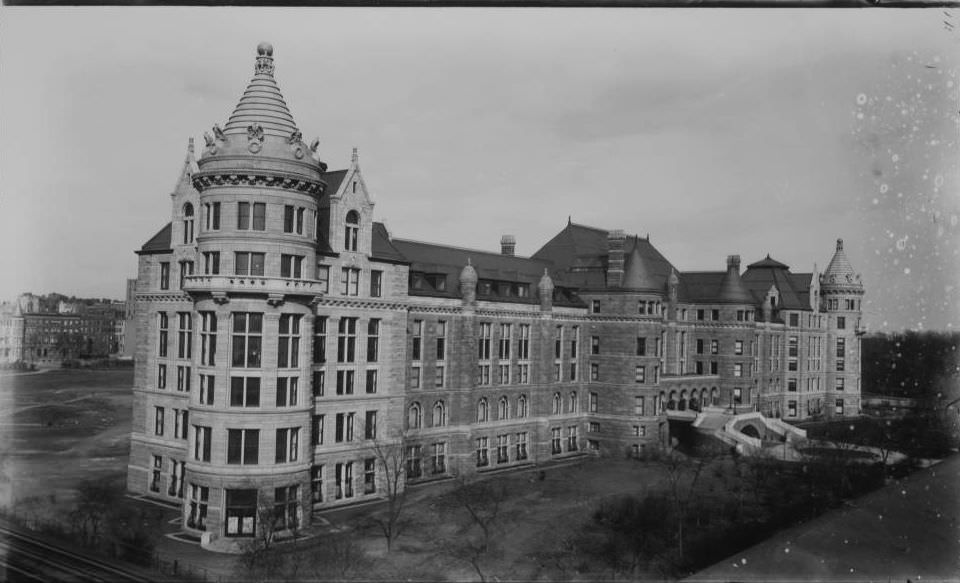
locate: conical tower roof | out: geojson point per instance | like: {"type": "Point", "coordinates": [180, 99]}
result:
{"type": "Point", "coordinates": [839, 270]}
{"type": "Point", "coordinates": [732, 289]}
{"type": "Point", "coordinates": [262, 103]}
{"type": "Point", "coordinates": [636, 273]}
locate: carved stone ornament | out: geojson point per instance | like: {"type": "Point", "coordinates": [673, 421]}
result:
{"type": "Point", "coordinates": [275, 299]}
{"type": "Point", "coordinates": [295, 137]}
{"type": "Point", "coordinates": [219, 133]}
{"type": "Point", "coordinates": [204, 181]}
{"type": "Point", "coordinates": [314, 145]}
{"type": "Point", "coordinates": [298, 153]}
{"type": "Point", "coordinates": [219, 297]}
{"type": "Point", "coordinates": [208, 139]}
{"type": "Point", "coordinates": [255, 132]}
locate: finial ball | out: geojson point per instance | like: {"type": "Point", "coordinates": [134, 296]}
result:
{"type": "Point", "coordinates": [265, 49]}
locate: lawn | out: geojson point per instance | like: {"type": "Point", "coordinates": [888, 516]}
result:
{"type": "Point", "coordinates": [62, 427]}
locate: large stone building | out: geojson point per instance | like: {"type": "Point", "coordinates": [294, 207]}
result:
{"type": "Point", "coordinates": [284, 338]}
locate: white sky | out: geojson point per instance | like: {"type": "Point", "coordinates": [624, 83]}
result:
{"type": "Point", "coordinates": [715, 131]}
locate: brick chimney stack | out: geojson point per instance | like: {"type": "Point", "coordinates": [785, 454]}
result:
{"type": "Point", "coordinates": [508, 245]}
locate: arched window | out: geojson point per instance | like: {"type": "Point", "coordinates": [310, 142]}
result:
{"type": "Point", "coordinates": [482, 412]}
{"type": "Point", "coordinates": [522, 406]}
{"type": "Point", "coordinates": [352, 231]}
{"type": "Point", "coordinates": [415, 416]}
{"type": "Point", "coordinates": [439, 414]}
{"type": "Point", "coordinates": [557, 403]}
{"type": "Point", "coordinates": [714, 396]}
{"type": "Point", "coordinates": [187, 223]}
{"type": "Point", "coordinates": [503, 408]}
{"type": "Point", "coordinates": [573, 402]}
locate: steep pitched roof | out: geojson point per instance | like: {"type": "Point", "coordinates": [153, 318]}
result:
{"type": "Point", "coordinates": [699, 286]}
{"type": "Point", "coordinates": [159, 243]}
{"type": "Point", "coordinates": [761, 275]}
{"type": "Point", "coordinates": [638, 275]}
{"type": "Point", "coordinates": [333, 179]}
{"type": "Point", "coordinates": [383, 247]}
{"type": "Point", "coordinates": [839, 269]}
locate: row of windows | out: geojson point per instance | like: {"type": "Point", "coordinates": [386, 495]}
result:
{"type": "Point", "coordinates": [243, 445]}
{"type": "Point", "coordinates": [644, 307]}
{"type": "Point", "coordinates": [345, 427]}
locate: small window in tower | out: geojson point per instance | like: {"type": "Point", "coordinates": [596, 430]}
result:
{"type": "Point", "coordinates": [352, 231]}
{"type": "Point", "coordinates": [187, 223]}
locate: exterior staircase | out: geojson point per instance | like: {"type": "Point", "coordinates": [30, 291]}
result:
{"type": "Point", "coordinates": [748, 433]}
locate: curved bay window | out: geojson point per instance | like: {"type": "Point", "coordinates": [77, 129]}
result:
{"type": "Point", "coordinates": [351, 233]}
{"type": "Point", "coordinates": [241, 507]}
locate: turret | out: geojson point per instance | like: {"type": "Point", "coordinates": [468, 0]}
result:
{"type": "Point", "coordinates": [468, 284]}
{"type": "Point", "coordinates": [545, 287]}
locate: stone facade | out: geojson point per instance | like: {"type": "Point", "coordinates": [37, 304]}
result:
{"type": "Point", "coordinates": [284, 340]}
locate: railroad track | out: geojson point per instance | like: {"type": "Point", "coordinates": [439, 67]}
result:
{"type": "Point", "coordinates": [28, 559]}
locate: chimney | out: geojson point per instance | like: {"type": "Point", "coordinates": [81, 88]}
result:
{"type": "Point", "coordinates": [508, 245]}
{"type": "Point", "coordinates": [733, 262]}
{"type": "Point", "coordinates": [615, 242]}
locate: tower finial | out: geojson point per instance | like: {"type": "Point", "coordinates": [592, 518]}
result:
{"type": "Point", "coordinates": [264, 65]}
{"type": "Point", "coordinates": [354, 158]}
{"type": "Point", "coordinates": [839, 244]}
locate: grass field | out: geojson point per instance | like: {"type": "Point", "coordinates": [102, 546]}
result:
{"type": "Point", "coordinates": [61, 427]}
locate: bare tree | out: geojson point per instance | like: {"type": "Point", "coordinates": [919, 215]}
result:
{"type": "Point", "coordinates": [480, 503]}
{"type": "Point", "coordinates": [682, 476]}
{"type": "Point", "coordinates": [391, 455]}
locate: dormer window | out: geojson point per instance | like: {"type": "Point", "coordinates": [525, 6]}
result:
{"type": "Point", "coordinates": [187, 223]}
{"type": "Point", "coordinates": [352, 232]}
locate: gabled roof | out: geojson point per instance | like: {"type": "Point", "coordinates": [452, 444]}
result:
{"type": "Point", "coordinates": [579, 256]}
{"type": "Point", "coordinates": [383, 247]}
{"type": "Point", "coordinates": [333, 179]}
{"type": "Point", "coordinates": [159, 243]}
{"type": "Point", "coordinates": [761, 275]}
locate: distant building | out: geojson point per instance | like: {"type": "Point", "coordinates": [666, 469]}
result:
{"type": "Point", "coordinates": [11, 334]}
{"type": "Point", "coordinates": [282, 333]}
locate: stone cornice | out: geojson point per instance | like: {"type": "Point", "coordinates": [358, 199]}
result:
{"type": "Point", "coordinates": [258, 179]}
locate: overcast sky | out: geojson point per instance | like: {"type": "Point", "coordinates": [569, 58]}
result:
{"type": "Point", "coordinates": [715, 131]}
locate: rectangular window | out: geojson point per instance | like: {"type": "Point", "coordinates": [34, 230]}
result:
{"type": "Point", "coordinates": [840, 365]}
{"type": "Point", "coordinates": [344, 478]}
{"type": "Point", "coordinates": [158, 421]}
{"type": "Point", "coordinates": [414, 377]}
{"type": "Point", "coordinates": [163, 324]}
{"type": "Point", "coordinates": [737, 369]}
{"type": "Point", "coordinates": [370, 425]}
{"type": "Point", "coordinates": [201, 443]}
{"type": "Point", "coordinates": [291, 266]}
{"type": "Point", "coordinates": [288, 352]}
{"type": "Point", "coordinates": [441, 341]}
{"type": "Point", "coordinates": [838, 407]}
{"type": "Point", "coordinates": [206, 389]}
{"type": "Point", "coordinates": [287, 391]}
{"type": "Point", "coordinates": [241, 512]}
{"type": "Point", "coordinates": [714, 367]}
{"type": "Point", "coordinates": [208, 338]}
{"type": "Point", "coordinates": [555, 438]}
{"type": "Point", "coordinates": [439, 458]}
{"type": "Point", "coordinates": [572, 438]}
{"type": "Point", "coordinates": [714, 347]}
{"type": "Point", "coordinates": [595, 306]}
{"type": "Point", "coordinates": [211, 262]}
{"type": "Point", "coordinates": [483, 343]}
{"type": "Point", "coordinates": [316, 484]}
{"type": "Point", "coordinates": [521, 446]}
{"type": "Point", "coordinates": [287, 445]}
{"type": "Point", "coordinates": [439, 375]}
{"type": "Point", "coordinates": [503, 444]}
{"type": "Point", "coordinates": [161, 376]}
{"type": "Point", "coordinates": [300, 212]}
{"type": "Point", "coordinates": [316, 429]}
{"type": "Point", "coordinates": [483, 374]}
{"type": "Point", "coordinates": [506, 331]}
{"type": "Point", "coordinates": [794, 320]}
{"type": "Point", "coordinates": [323, 277]}
{"type": "Point", "coordinates": [791, 408]}
{"type": "Point", "coordinates": [482, 445]}
{"type": "Point", "coordinates": [594, 397]}
{"type": "Point", "coordinates": [248, 263]}
{"type": "Point", "coordinates": [738, 347]}
{"type": "Point", "coordinates": [792, 385]}
{"type": "Point", "coordinates": [183, 379]}
{"type": "Point", "coordinates": [594, 345]}
{"type": "Point", "coordinates": [841, 347]}
{"type": "Point", "coordinates": [376, 283]}
{"type": "Point", "coordinates": [371, 384]}
{"type": "Point", "coordinates": [523, 374]}
{"type": "Point", "coordinates": [700, 314]}
{"type": "Point", "coordinates": [243, 446]}
{"type": "Point", "coordinates": [244, 391]}
{"type": "Point", "coordinates": [641, 346]}
{"type": "Point", "coordinates": [594, 371]}
{"type": "Point", "coordinates": [574, 341]}
{"type": "Point", "coordinates": [319, 382]}
{"type": "Point", "coordinates": [286, 507]}
{"type": "Point", "coordinates": [345, 379]}
{"type": "Point", "coordinates": [558, 345]}
{"type": "Point", "coordinates": [350, 281]}
{"type": "Point", "coordinates": [839, 383]}
{"type": "Point", "coordinates": [155, 474]}
{"type": "Point", "coordinates": [164, 275]}
{"type": "Point", "coordinates": [186, 269]}
{"type": "Point", "coordinates": [523, 343]}
{"type": "Point", "coordinates": [369, 475]}
{"type": "Point", "coordinates": [184, 334]}
{"type": "Point", "coordinates": [212, 216]}
{"type": "Point", "coordinates": [699, 345]}
{"type": "Point", "coordinates": [344, 428]}
{"type": "Point", "coordinates": [593, 427]}
{"type": "Point", "coordinates": [259, 216]}
{"type": "Point", "coordinates": [199, 498]}
{"type": "Point", "coordinates": [639, 406]}
{"type": "Point", "coordinates": [417, 344]}
{"type": "Point", "coordinates": [414, 454]}
{"type": "Point", "coordinates": [320, 340]}
{"type": "Point", "coordinates": [288, 217]}
{"type": "Point", "coordinates": [243, 216]}
{"type": "Point", "coordinates": [347, 340]}
{"type": "Point", "coordinates": [640, 375]}
{"type": "Point", "coordinates": [737, 396]}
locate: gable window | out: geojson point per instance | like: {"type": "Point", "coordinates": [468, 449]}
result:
{"type": "Point", "coordinates": [351, 233]}
{"type": "Point", "coordinates": [187, 223]}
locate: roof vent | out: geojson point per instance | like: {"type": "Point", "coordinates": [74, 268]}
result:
{"type": "Point", "coordinates": [508, 245]}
